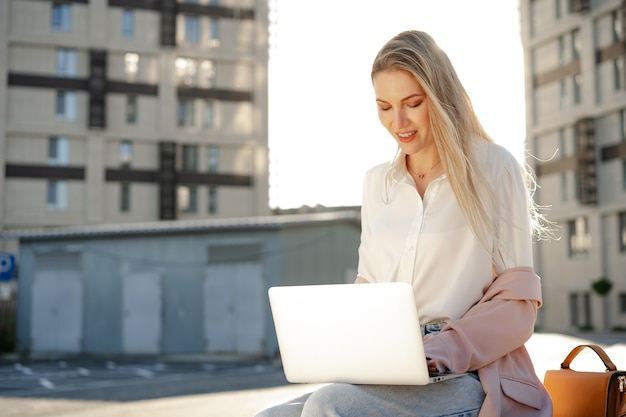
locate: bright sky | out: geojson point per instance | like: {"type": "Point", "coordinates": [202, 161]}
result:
{"type": "Point", "coordinates": [324, 132]}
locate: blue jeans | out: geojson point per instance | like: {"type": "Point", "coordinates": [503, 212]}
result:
{"type": "Point", "coordinates": [458, 397]}
{"type": "Point", "coordinates": [434, 327]}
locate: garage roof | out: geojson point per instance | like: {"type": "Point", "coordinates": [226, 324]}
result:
{"type": "Point", "coordinates": [183, 226]}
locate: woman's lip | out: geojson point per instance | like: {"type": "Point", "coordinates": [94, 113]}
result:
{"type": "Point", "coordinates": [406, 136]}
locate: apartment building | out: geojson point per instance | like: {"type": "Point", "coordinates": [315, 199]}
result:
{"type": "Point", "coordinates": [115, 111]}
{"type": "Point", "coordinates": [576, 132]}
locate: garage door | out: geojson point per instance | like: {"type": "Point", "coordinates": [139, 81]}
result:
{"type": "Point", "coordinates": [234, 309]}
{"type": "Point", "coordinates": [57, 311]}
{"type": "Point", "coordinates": [142, 313]}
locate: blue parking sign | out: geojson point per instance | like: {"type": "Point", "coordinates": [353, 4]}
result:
{"type": "Point", "coordinates": [7, 265]}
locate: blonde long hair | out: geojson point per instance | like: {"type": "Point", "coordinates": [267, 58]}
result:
{"type": "Point", "coordinates": [455, 128]}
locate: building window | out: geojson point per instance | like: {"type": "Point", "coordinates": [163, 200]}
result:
{"type": "Point", "coordinates": [587, 309]}
{"type": "Point", "coordinates": [577, 82]}
{"type": "Point", "coordinates": [622, 303]}
{"type": "Point", "coordinates": [185, 70]}
{"type": "Point", "coordinates": [208, 73]}
{"type": "Point", "coordinates": [188, 72]}
{"type": "Point", "coordinates": [66, 105]}
{"type": "Point", "coordinates": [533, 16]}
{"type": "Point", "coordinates": [576, 44]}
{"type": "Point", "coordinates": [622, 124]}
{"type": "Point", "coordinates": [125, 197]}
{"type": "Point", "coordinates": [57, 195]}
{"type": "Point", "coordinates": [563, 94]}
{"type": "Point", "coordinates": [561, 51]}
{"type": "Point", "coordinates": [190, 158]}
{"type": "Point", "coordinates": [563, 154]}
{"type": "Point", "coordinates": [212, 207]}
{"type": "Point", "coordinates": [573, 309]}
{"type": "Point", "coordinates": [624, 175]}
{"type": "Point", "coordinates": [66, 62]}
{"type": "Point", "coordinates": [192, 29]}
{"type": "Point", "coordinates": [131, 109]}
{"type": "Point", "coordinates": [128, 23]}
{"type": "Point", "coordinates": [208, 119]}
{"type": "Point", "coordinates": [622, 231]}
{"type": "Point", "coordinates": [61, 17]}
{"type": "Point", "coordinates": [58, 151]}
{"type": "Point", "coordinates": [580, 308]}
{"type": "Point", "coordinates": [616, 27]}
{"type": "Point", "coordinates": [131, 66]}
{"type": "Point", "coordinates": [562, 147]}
{"type": "Point", "coordinates": [188, 198]}
{"type": "Point", "coordinates": [214, 158]}
{"type": "Point", "coordinates": [557, 9]}
{"type": "Point", "coordinates": [214, 33]}
{"type": "Point", "coordinates": [126, 153]}
{"type": "Point", "coordinates": [186, 113]}
{"type": "Point", "coordinates": [618, 71]}
{"type": "Point", "coordinates": [579, 237]}
{"type": "Point", "coordinates": [213, 162]}
{"type": "Point", "coordinates": [577, 187]}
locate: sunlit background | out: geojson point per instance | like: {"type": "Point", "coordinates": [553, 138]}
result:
{"type": "Point", "coordinates": [323, 128]}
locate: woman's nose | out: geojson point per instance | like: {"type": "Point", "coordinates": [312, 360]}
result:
{"type": "Point", "coordinates": [399, 119]}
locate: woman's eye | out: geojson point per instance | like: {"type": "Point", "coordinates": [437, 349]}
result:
{"type": "Point", "coordinates": [415, 104]}
{"type": "Point", "coordinates": [383, 108]}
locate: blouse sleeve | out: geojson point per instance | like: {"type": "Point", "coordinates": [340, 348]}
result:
{"type": "Point", "coordinates": [513, 249]}
{"type": "Point", "coordinates": [362, 271]}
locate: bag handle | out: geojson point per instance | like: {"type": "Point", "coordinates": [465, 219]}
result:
{"type": "Point", "coordinates": [610, 366]}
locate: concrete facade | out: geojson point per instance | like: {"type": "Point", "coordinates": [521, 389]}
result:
{"type": "Point", "coordinates": [119, 112]}
{"type": "Point", "coordinates": [576, 133]}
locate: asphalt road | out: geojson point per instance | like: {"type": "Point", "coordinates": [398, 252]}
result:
{"type": "Point", "coordinates": [200, 386]}
{"type": "Point", "coordinates": [189, 386]}
{"type": "Point", "coordinates": [132, 380]}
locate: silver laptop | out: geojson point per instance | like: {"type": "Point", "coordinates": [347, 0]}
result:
{"type": "Point", "coordinates": [353, 333]}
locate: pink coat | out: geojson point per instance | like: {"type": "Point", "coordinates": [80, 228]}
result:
{"type": "Point", "coordinates": [490, 338]}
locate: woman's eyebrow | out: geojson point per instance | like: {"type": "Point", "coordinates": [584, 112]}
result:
{"type": "Point", "coordinates": [413, 96]}
{"type": "Point", "coordinates": [405, 98]}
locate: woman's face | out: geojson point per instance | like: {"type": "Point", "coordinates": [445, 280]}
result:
{"type": "Point", "coordinates": [403, 109]}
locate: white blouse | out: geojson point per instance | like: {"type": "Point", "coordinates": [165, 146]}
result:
{"type": "Point", "coordinates": [428, 242]}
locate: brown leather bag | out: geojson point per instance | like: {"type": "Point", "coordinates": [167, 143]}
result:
{"type": "Point", "coordinates": [587, 394]}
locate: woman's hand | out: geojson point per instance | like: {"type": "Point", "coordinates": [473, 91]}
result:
{"type": "Point", "coordinates": [432, 367]}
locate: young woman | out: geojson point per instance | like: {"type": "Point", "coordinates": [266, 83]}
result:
{"type": "Point", "coordinates": [452, 215]}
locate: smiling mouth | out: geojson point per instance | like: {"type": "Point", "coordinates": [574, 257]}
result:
{"type": "Point", "coordinates": [406, 135]}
